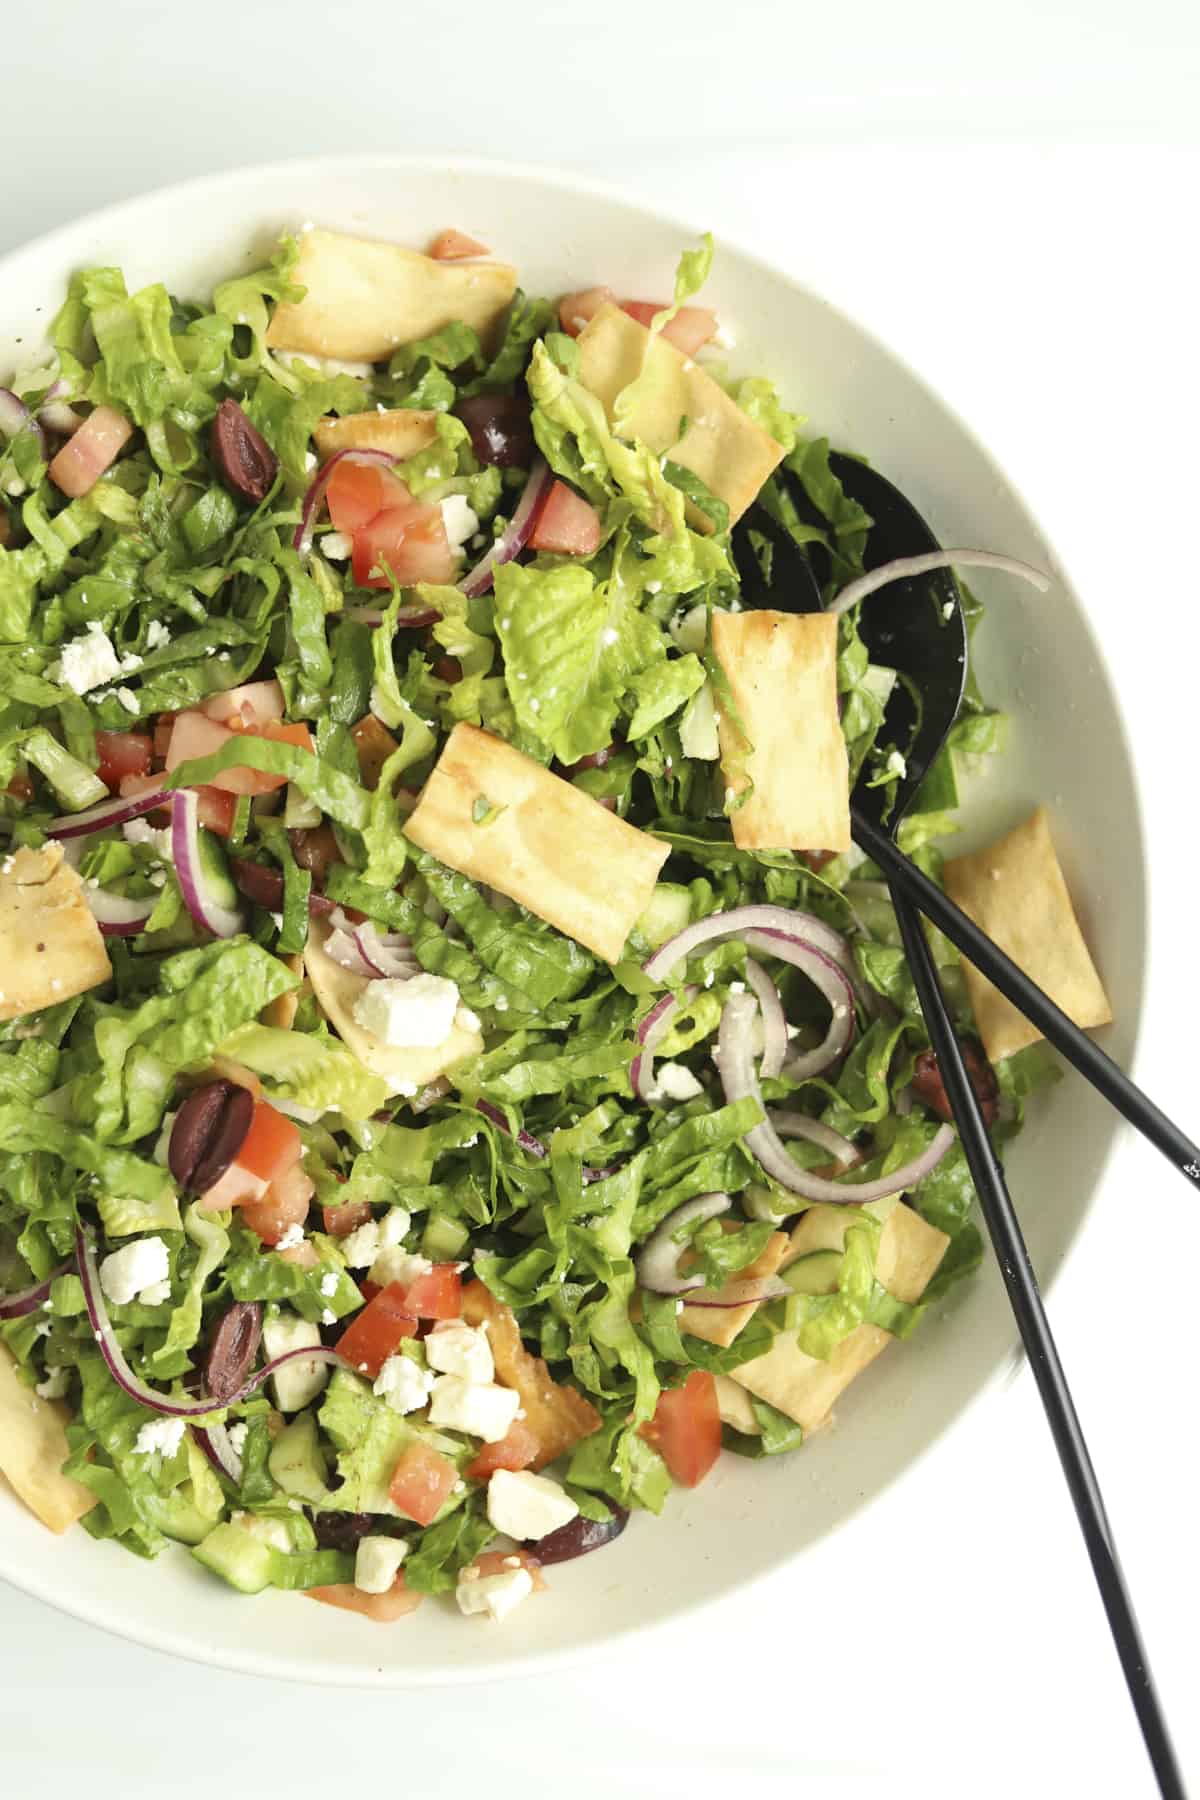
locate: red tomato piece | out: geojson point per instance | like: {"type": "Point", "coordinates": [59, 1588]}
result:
{"type": "Point", "coordinates": [453, 246]}
{"type": "Point", "coordinates": [357, 491]}
{"type": "Point", "coordinates": [577, 310]}
{"type": "Point", "coordinates": [376, 1332]}
{"type": "Point", "coordinates": [410, 541]}
{"type": "Point", "coordinates": [515, 1451]}
{"type": "Point", "coordinates": [216, 810]}
{"type": "Point", "coordinates": [162, 735]}
{"type": "Point", "coordinates": [437, 1295]}
{"type": "Point", "coordinates": [369, 1289]}
{"type": "Point", "coordinates": [340, 1221]}
{"type": "Point", "coordinates": [272, 1143]}
{"type": "Point", "coordinates": [686, 1428]}
{"type": "Point", "coordinates": [122, 753]}
{"type": "Point", "coordinates": [194, 734]}
{"type": "Point", "coordinates": [422, 1482]}
{"type": "Point", "coordinates": [89, 451]}
{"type": "Point", "coordinates": [689, 330]}
{"type": "Point", "coordinates": [382, 1608]}
{"type": "Point", "coordinates": [566, 523]}
{"type": "Point", "coordinates": [284, 1204]}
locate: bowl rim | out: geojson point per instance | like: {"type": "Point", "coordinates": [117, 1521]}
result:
{"type": "Point", "coordinates": [325, 1673]}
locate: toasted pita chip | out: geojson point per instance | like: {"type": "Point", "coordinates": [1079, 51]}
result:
{"type": "Point", "coordinates": [735, 1408]}
{"type": "Point", "coordinates": [721, 444]}
{"type": "Point", "coordinates": [401, 433]}
{"type": "Point", "coordinates": [546, 844]}
{"type": "Point", "coordinates": [50, 945]}
{"type": "Point", "coordinates": [1014, 890]}
{"type": "Point", "coordinates": [558, 1416]}
{"type": "Point", "coordinates": [337, 989]}
{"type": "Point", "coordinates": [721, 1326]}
{"type": "Point", "coordinates": [363, 299]}
{"type": "Point", "coordinates": [782, 672]}
{"type": "Point", "coordinates": [33, 1448]}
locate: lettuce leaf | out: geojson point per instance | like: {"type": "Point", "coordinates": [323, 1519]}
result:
{"type": "Point", "coordinates": [313, 1069]}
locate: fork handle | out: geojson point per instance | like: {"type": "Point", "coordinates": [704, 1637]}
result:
{"type": "Point", "coordinates": [1112, 1082]}
{"type": "Point", "coordinates": [1029, 1310]}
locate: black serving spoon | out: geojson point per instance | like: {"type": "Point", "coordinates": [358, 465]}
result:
{"type": "Point", "coordinates": [921, 633]}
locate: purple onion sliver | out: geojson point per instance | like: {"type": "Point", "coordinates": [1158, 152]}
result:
{"type": "Point", "coordinates": [834, 986]}
{"type": "Point", "coordinates": [479, 579]}
{"type": "Point", "coordinates": [209, 914]}
{"type": "Point", "coordinates": [213, 1440]}
{"type": "Point", "coordinates": [107, 813]}
{"type": "Point", "coordinates": [902, 566]}
{"type": "Point", "coordinates": [116, 915]}
{"type": "Point", "coordinates": [650, 1033]}
{"type": "Point", "coordinates": [799, 1125]}
{"type": "Point", "coordinates": [17, 1306]}
{"type": "Point", "coordinates": [657, 1262]}
{"type": "Point", "coordinates": [775, 1029]}
{"type": "Point", "coordinates": [311, 504]}
{"type": "Point", "coordinates": [15, 416]}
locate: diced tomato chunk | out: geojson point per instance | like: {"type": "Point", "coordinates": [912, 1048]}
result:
{"type": "Point", "coordinates": [194, 734]}
{"type": "Point", "coordinates": [357, 491]}
{"type": "Point", "coordinates": [381, 1608]}
{"type": "Point", "coordinates": [453, 246]}
{"type": "Point", "coordinates": [514, 1451]}
{"type": "Point", "coordinates": [686, 1428]}
{"type": "Point", "coordinates": [122, 753]}
{"type": "Point", "coordinates": [566, 523]}
{"type": "Point", "coordinates": [369, 1289]}
{"type": "Point", "coordinates": [437, 1295]}
{"type": "Point", "coordinates": [285, 1203]}
{"type": "Point", "coordinates": [577, 310]}
{"type": "Point", "coordinates": [162, 735]}
{"type": "Point", "coordinates": [272, 1143]}
{"type": "Point", "coordinates": [376, 1332]}
{"type": "Point", "coordinates": [410, 541]}
{"type": "Point", "coordinates": [689, 330]}
{"type": "Point", "coordinates": [422, 1482]}
{"type": "Point", "coordinates": [216, 810]}
{"type": "Point", "coordinates": [89, 451]}
{"type": "Point", "coordinates": [340, 1221]}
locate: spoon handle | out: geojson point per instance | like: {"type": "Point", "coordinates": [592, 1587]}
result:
{"type": "Point", "coordinates": [1067, 1038]}
{"type": "Point", "coordinates": [1030, 1313]}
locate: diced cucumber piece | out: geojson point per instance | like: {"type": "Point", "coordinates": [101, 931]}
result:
{"type": "Point", "coordinates": [815, 1274]}
{"type": "Point", "coordinates": [443, 1238]}
{"type": "Point", "coordinates": [295, 1461]}
{"type": "Point", "coordinates": [670, 909]}
{"type": "Point", "coordinates": [242, 1560]}
{"type": "Point", "coordinates": [218, 883]}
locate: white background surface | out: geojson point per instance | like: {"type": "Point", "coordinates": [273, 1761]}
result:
{"type": "Point", "coordinates": [1007, 194]}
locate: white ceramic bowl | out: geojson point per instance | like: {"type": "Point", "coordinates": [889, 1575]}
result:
{"type": "Point", "coordinates": [1037, 659]}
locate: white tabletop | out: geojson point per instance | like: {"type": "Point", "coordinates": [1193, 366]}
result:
{"type": "Point", "coordinates": [1012, 205]}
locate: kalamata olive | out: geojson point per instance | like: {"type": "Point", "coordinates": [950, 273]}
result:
{"type": "Point", "coordinates": [265, 886]}
{"type": "Point", "coordinates": [244, 460]}
{"type": "Point", "coordinates": [233, 1348]}
{"type": "Point", "coordinates": [342, 1531]}
{"type": "Point", "coordinates": [500, 430]}
{"type": "Point", "coordinates": [209, 1130]}
{"type": "Point", "coordinates": [930, 1088]}
{"type": "Point", "coordinates": [580, 1537]}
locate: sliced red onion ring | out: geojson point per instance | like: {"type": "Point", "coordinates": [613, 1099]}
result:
{"type": "Point", "coordinates": [479, 579]}
{"type": "Point", "coordinates": [208, 913]}
{"type": "Point", "coordinates": [526, 1139]}
{"type": "Point", "coordinates": [167, 1404]}
{"type": "Point", "coordinates": [342, 947]}
{"type": "Point", "coordinates": [775, 1029]}
{"type": "Point", "coordinates": [801, 927]}
{"type": "Point", "coordinates": [389, 956]}
{"type": "Point", "coordinates": [799, 1125]}
{"type": "Point", "coordinates": [105, 813]}
{"type": "Point", "coordinates": [15, 416]}
{"type": "Point", "coordinates": [831, 982]}
{"type": "Point", "coordinates": [657, 1262]}
{"type": "Point", "coordinates": [650, 1033]}
{"type": "Point", "coordinates": [902, 566]}
{"type": "Point", "coordinates": [116, 915]}
{"type": "Point", "coordinates": [311, 505]}
{"type": "Point", "coordinates": [16, 1306]}
{"type": "Point", "coordinates": [735, 1042]}
{"type": "Point", "coordinates": [214, 1442]}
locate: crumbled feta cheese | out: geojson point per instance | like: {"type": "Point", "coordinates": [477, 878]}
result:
{"type": "Point", "coordinates": [337, 546]}
{"type": "Point", "coordinates": [523, 1505]}
{"type": "Point", "coordinates": [394, 1263]}
{"type": "Point", "coordinates": [54, 1386]}
{"type": "Point", "coordinates": [459, 520]}
{"type": "Point", "coordinates": [737, 987]}
{"type": "Point", "coordinates": [140, 831]}
{"type": "Point", "coordinates": [154, 1296]}
{"type": "Point", "coordinates": [677, 1082]}
{"type": "Point", "coordinates": [328, 1316]}
{"type": "Point", "coordinates": [404, 1384]}
{"type": "Point", "coordinates": [161, 1437]}
{"type": "Point", "coordinates": [481, 1411]}
{"type": "Point", "coordinates": [394, 1227]}
{"type": "Point", "coordinates": [896, 764]}
{"type": "Point", "coordinates": [495, 1595]}
{"type": "Point", "coordinates": [88, 662]}
{"type": "Point", "coordinates": [948, 609]}
{"type": "Point", "coordinates": [237, 1435]}
{"type": "Point", "coordinates": [328, 1285]}
{"type": "Point", "coordinates": [142, 1264]}
{"type": "Point", "coordinates": [298, 1382]}
{"type": "Point", "coordinates": [157, 635]}
{"type": "Point", "coordinates": [377, 1563]}
{"type": "Point", "coordinates": [361, 1247]}
{"type": "Point", "coordinates": [456, 1348]}
{"type": "Point", "coordinates": [292, 1238]}
{"type": "Point", "coordinates": [408, 1015]}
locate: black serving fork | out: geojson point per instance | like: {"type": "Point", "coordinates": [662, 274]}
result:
{"type": "Point", "coordinates": [919, 630]}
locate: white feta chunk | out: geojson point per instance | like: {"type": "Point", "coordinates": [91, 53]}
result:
{"type": "Point", "coordinates": [237, 1435]}
{"type": "Point", "coordinates": [338, 546]}
{"type": "Point", "coordinates": [394, 1227]}
{"type": "Point", "coordinates": [142, 1264]}
{"type": "Point", "coordinates": [292, 1238]}
{"type": "Point", "coordinates": [300, 1381]}
{"type": "Point", "coordinates": [676, 1082]}
{"type": "Point", "coordinates": [459, 519]}
{"type": "Point", "coordinates": [481, 1411]}
{"type": "Point", "coordinates": [361, 1246]}
{"type": "Point", "coordinates": [161, 1437]}
{"type": "Point", "coordinates": [88, 662]}
{"type": "Point", "coordinates": [157, 635]}
{"type": "Point", "coordinates": [377, 1563]}
{"type": "Point", "coordinates": [525, 1506]}
{"type": "Point", "coordinates": [404, 1384]}
{"type": "Point", "coordinates": [456, 1348]}
{"type": "Point", "coordinates": [395, 1264]}
{"type": "Point", "coordinates": [495, 1595]}
{"type": "Point", "coordinates": [408, 1015]}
